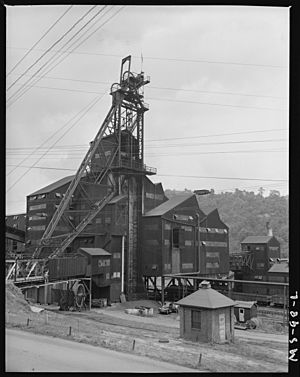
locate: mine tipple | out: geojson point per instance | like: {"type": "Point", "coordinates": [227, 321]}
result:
{"type": "Point", "coordinates": [114, 216]}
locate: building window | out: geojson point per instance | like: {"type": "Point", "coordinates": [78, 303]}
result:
{"type": "Point", "coordinates": [32, 198]}
{"type": "Point", "coordinates": [107, 153]}
{"type": "Point", "coordinates": [196, 319]}
{"type": "Point", "coordinates": [36, 218]}
{"type": "Point", "coordinates": [99, 220]}
{"type": "Point", "coordinates": [58, 195]}
{"type": "Point", "coordinates": [16, 217]}
{"type": "Point", "coordinates": [116, 255]}
{"type": "Point", "coordinates": [97, 155]}
{"type": "Point", "coordinates": [42, 196]}
{"type": "Point", "coordinates": [175, 237]}
{"type": "Point", "coordinates": [167, 242]}
{"type": "Point", "coordinates": [167, 226]}
{"type": "Point", "coordinates": [38, 206]}
{"type": "Point", "coordinates": [103, 262]}
{"type": "Point", "coordinates": [149, 195]}
{"type": "Point", "coordinates": [260, 265]}
{"type": "Point", "coordinates": [187, 228]}
{"type": "Point", "coordinates": [212, 265]}
{"type": "Point", "coordinates": [213, 254]}
{"type": "Point", "coordinates": [107, 276]}
{"type": "Point", "coordinates": [37, 227]}
{"type": "Point", "coordinates": [188, 243]}
{"type": "Point", "coordinates": [116, 275]}
{"type": "Point", "coordinates": [107, 220]}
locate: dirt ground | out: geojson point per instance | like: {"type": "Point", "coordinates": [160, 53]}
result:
{"type": "Point", "coordinates": [156, 337]}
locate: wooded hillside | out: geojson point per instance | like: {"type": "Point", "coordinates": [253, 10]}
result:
{"type": "Point", "coordinates": [246, 213]}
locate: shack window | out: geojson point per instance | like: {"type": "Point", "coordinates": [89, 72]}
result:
{"type": "Point", "coordinates": [196, 319]}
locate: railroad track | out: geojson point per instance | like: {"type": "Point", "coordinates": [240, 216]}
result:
{"type": "Point", "coordinates": [270, 312]}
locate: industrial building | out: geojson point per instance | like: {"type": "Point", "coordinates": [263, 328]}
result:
{"type": "Point", "coordinates": [206, 316]}
{"type": "Point", "coordinates": [15, 226]}
{"type": "Point", "coordinates": [111, 210]}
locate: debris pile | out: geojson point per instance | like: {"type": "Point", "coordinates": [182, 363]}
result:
{"type": "Point", "coordinates": [14, 300]}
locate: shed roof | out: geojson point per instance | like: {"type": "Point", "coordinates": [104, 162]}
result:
{"type": "Point", "coordinates": [17, 221]}
{"type": "Point", "coordinates": [245, 304]}
{"type": "Point", "coordinates": [206, 298]}
{"type": "Point", "coordinates": [54, 185]}
{"type": "Point", "coordinates": [168, 205]}
{"type": "Point", "coordinates": [94, 251]}
{"type": "Point", "coordinates": [280, 268]}
{"type": "Point", "coordinates": [257, 239]}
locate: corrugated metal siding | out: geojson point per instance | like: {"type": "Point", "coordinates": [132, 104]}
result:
{"type": "Point", "coordinates": [61, 268]}
{"type": "Point", "coordinates": [151, 246]}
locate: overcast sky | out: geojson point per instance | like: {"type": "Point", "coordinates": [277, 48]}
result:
{"type": "Point", "coordinates": [218, 94]}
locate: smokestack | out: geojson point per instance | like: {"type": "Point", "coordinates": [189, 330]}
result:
{"type": "Point", "coordinates": [269, 229]}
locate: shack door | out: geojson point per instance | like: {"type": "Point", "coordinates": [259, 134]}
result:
{"type": "Point", "coordinates": [241, 315]}
{"type": "Point", "coordinates": [175, 260]}
{"type": "Point", "coordinates": [222, 326]}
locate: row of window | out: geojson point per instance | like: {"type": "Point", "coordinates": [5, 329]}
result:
{"type": "Point", "coordinates": [38, 206]}
{"type": "Point", "coordinates": [150, 195]}
{"type": "Point", "coordinates": [103, 262]}
{"type": "Point", "coordinates": [36, 227]}
{"type": "Point", "coordinates": [35, 197]}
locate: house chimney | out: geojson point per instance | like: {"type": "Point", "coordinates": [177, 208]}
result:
{"type": "Point", "coordinates": [269, 229]}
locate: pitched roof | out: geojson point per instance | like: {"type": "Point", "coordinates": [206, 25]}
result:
{"type": "Point", "coordinates": [206, 298]}
{"type": "Point", "coordinates": [53, 186]}
{"type": "Point", "coordinates": [168, 205]}
{"type": "Point", "coordinates": [257, 239]}
{"type": "Point", "coordinates": [280, 268]}
{"type": "Point", "coordinates": [17, 221]}
{"type": "Point", "coordinates": [94, 251]}
{"type": "Point", "coordinates": [245, 304]}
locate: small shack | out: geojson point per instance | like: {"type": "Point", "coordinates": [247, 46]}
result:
{"type": "Point", "coordinates": [98, 268]}
{"type": "Point", "coordinates": [245, 310]}
{"type": "Point", "coordinates": [206, 316]}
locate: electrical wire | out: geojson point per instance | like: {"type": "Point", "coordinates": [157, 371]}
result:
{"type": "Point", "coordinates": [51, 47]}
{"type": "Point", "coordinates": [162, 88]}
{"type": "Point", "coordinates": [68, 53]}
{"type": "Point", "coordinates": [55, 57]}
{"type": "Point", "coordinates": [166, 139]}
{"type": "Point", "coordinates": [207, 61]}
{"type": "Point", "coordinates": [181, 176]}
{"type": "Point", "coordinates": [93, 103]}
{"type": "Point", "coordinates": [54, 134]}
{"type": "Point", "coordinates": [164, 99]}
{"type": "Point", "coordinates": [42, 37]}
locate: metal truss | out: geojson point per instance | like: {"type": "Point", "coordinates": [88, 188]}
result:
{"type": "Point", "coordinates": [101, 172]}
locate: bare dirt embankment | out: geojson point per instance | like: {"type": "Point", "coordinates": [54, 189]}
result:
{"type": "Point", "coordinates": [156, 337]}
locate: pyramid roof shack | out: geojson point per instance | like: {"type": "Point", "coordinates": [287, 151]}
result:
{"type": "Point", "coordinates": [207, 316]}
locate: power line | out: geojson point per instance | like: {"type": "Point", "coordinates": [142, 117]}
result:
{"type": "Point", "coordinates": [230, 178]}
{"type": "Point", "coordinates": [179, 176]}
{"type": "Point", "coordinates": [215, 104]}
{"type": "Point", "coordinates": [166, 139]}
{"type": "Point", "coordinates": [93, 103]}
{"type": "Point", "coordinates": [162, 88]}
{"type": "Point", "coordinates": [63, 58]}
{"type": "Point", "coordinates": [55, 55]}
{"type": "Point", "coordinates": [42, 37]}
{"type": "Point", "coordinates": [49, 138]}
{"type": "Point", "coordinates": [208, 61]}
{"type": "Point", "coordinates": [168, 99]}
{"type": "Point", "coordinates": [51, 47]}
